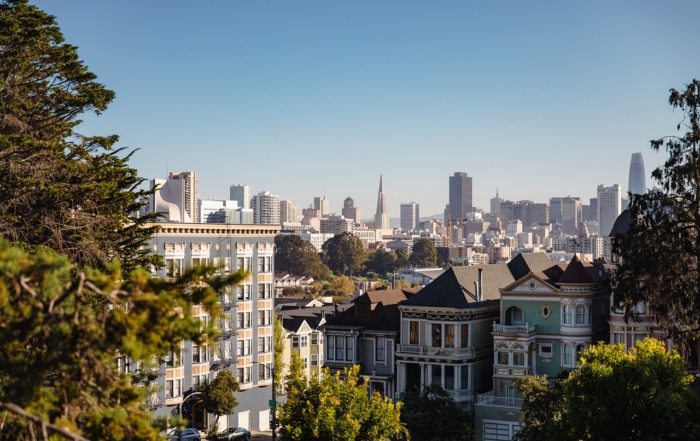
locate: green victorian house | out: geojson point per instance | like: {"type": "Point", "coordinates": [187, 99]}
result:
{"type": "Point", "coordinates": [546, 318]}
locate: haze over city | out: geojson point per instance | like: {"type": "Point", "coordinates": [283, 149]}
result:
{"type": "Point", "coordinates": [307, 99]}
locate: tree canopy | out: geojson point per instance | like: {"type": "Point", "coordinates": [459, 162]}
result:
{"type": "Point", "coordinates": [298, 257]}
{"type": "Point", "coordinates": [217, 396]}
{"type": "Point", "coordinates": [62, 332]}
{"type": "Point", "coordinates": [75, 194]}
{"type": "Point", "coordinates": [424, 254]}
{"type": "Point", "coordinates": [660, 253]}
{"type": "Point", "coordinates": [433, 415]}
{"type": "Point", "coordinates": [344, 254]}
{"type": "Point", "coordinates": [638, 395]}
{"type": "Point", "coordinates": [336, 407]}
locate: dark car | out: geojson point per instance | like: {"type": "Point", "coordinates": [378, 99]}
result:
{"type": "Point", "coordinates": [184, 435]}
{"type": "Point", "coordinates": [232, 433]}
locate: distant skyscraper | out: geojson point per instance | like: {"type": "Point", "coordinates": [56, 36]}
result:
{"type": "Point", "coordinates": [266, 208]}
{"type": "Point", "coordinates": [323, 204]}
{"type": "Point", "coordinates": [637, 180]}
{"type": "Point", "coordinates": [177, 197]}
{"type": "Point", "coordinates": [241, 194]}
{"type": "Point", "coordinates": [555, 211]}
{"type": "Point", "coordinates": [409, 216]}
{"type": "Point", "coordinates": [570, 208]}
{"type": "Point", "coordinates": [350, 211]}
{"type": "Point", "coordinates": [381, 217]}
{"type": "Point", "coordinates": [594, 209]}
{"type": "Point", "coordinates": [288, 212]}
{"type": "Point", "coordinates": [495, 205]}
{"type": "Point", "coordinates": [609, 208]}
{"type": "Point", "coordinates": [460, 196]}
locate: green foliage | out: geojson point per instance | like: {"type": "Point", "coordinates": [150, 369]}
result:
{"type": "Point", "coordinates": [337, 407]}
{"type": "Point", "coordinates": [278, 347]}
{"type": "Point", "coordinates": [380, 263]}
{"type": "Point", "coordinates": [298, 257]}
{"type": "Point", "coordinates": [402, 261]}
{"type": "Point", "coordinates": [344, 254]}
{"type": "Point", "coordinates": [342, 284]}
{"type": "Point", "coordinates": [638, 395]}
{"type": "Point", "coordinates": [72, 193]}
{"type": "Point", "coordinates": [433, 415]}
{"type": "Point", "coordinates": [217, 396]}
{"type": "Point", "coordinates": [293, 291]}
{"type": "Point", "coordinates": [61, 333]}
{"type": "Point", "coordinates": [424, 254]}
{"type": "Point", "coordinates": [665, 231]}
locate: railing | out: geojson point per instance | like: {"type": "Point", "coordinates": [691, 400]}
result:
{"type": "Point", "coordinates": [488, 399]}
{"type": "Point", "coordinates": [461, 394]}
{"type": "Point", "coordinates": [153, 402]}
{"type": "Point", "coordinates": [512, 371]}
{"type": "Point", "coordinates": [219, 361]}
{"type": "Point", "coordinates": [430, 350]}
{"type": "Point", "coordinates": [412, 349]}
{"type": "Point", "coordinates": [225, 333]}
{"type": "Point", "coordinates": [226, 302]}
{"type": "Point", "coordinates": [527, 329]}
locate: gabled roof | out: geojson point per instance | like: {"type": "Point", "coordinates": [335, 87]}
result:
{"type": "Point", "coordinates": [524, 263]}
{"type": "Point", "coordinates": [293, 319]}
{"type": "Point", "coordinates": [576, 272]}
{"type": "Point", "coordinates": [383, 315]}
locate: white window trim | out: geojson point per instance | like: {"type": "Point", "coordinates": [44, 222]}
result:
{"type": "Point", "coordinates": [545, 345]}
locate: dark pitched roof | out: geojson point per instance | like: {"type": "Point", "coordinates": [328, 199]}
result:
{"type": "Point", "coordinates": [293, 318]}
{"type": "Point", "coordinates": [576, 272]}
{"type": "Point", "coordinates": [622, 223]}
{"type": "Point", "coordinates": [524, 263]}
{"type": "Point", "coordinates": [383, 315]}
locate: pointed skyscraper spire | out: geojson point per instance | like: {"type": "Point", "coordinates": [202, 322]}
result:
{"type": "Point", "coordinates": [381, 217]}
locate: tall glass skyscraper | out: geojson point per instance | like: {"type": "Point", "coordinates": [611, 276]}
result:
{"type": "Point", "coordinates": [637, 180]}
{"type": "Point", "coordinates": [460, 196]}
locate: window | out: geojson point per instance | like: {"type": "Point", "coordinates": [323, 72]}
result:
{"type": "Point", "coordinates": [261, 264]}
{"type": "Point", "coordinates": [168, 388]}
{"type": "Point", "coordinates": [195, 354]}
{"type": "Point", "coordinates": [261, 371]}
{"type": "Point", "coordinates": [177, 388]}
{"type": "Point", "coordinates": [246, 374]}
{"type": "Point", "coordinates": [449, 377]}
{"type": "Point", "coordinates": [248, 266]}
{"type": "Point", "coordinates": [545, 350]}
{"type": "Point", "coordinates": [638, 337]}
{"type": "Point", "coordinates": [580, 315]}
{"type": "Point", "coordinates": [305, 360]}
{"type": "Point", "coordinates": [174, 359]}
{"type": "Point", "coordinates": [619, 338]}
{"type": "Point", "coordinates": [566, 354]}
{"type": "Point", "coordinates": [514, 316]}
{"type": "Point", "coordinates": [247, 319]}
{"type": "Point", "coordinates": [261, 344]}
{"type": "Point", "coordinates": [241, 347]}
{"type": "Point", "coordinates": [464, 336]}
{"type": "Point", "coordinates": [348, 349]}
{"type": "Point", "coordinates": [437, 335]}
{"type": "Point", "coordinates": [261, 318]}
{"type": "Point", "coordinates": [331, 349]}
{"type": "Point", "coordinates": [619, 309]}
{"type": "Point", "coordinates": [268, 344]}
{"type": "Point", "coordinates": [261, 290]}
{"type": "Point", "coordinates": [295, 341]}
{"type": "Point", "coordinates": [240, 320]}
{"type": "Point", "coordinates": [640, 308]}
{"type": "Point", "coordinates": [199, 261]}
{"type": "Point", "coordinates": [314, 338]}
{"type": "Point", "coordinates": [449, 336]}
{"type": "Point", "coordinates": [579, 350]}
{"type": "Point", "coordinates": [437, 375]}
{"type": "Point", "coordinates": [380, 354]}
{"type": "Point", "coordinates": [566, 314]}
{"type": "Point", "coordinates": [227, 265]}
{"type": "Point", "coordinates": [340, 348]}
{"type": "Point", "coordinates": [304, 341]}
{"type": "Point", "coordinates": [239, 263]}
{"type": "Point", "coordinates": [503, 358]}
{"type": "Point", "coordinates": [173, 267]}
{"type": "Point", "coordinates": [314, 360]}
{"type": "Point", "coordinates": [463, 377]}
{"type": "Point", "coordinates": [268, 317]}
{"type": "Point", "coordinates": [239, 374]}
{"type": "Point", "coordinates": [413, 334]}
{"type": "Point", "coordinates": [240, 292]}
{"type": "Point", "coordinates": [268, 264]}
{"type": "Point", "coordinates": [246, 294]}
{"type": "Point", "coordinates": [518, 359]}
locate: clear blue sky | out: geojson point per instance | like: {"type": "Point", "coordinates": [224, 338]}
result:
{"type": "Point", "coordinates": [305, 98]}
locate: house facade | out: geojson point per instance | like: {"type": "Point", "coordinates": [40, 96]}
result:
{"type": "Point", "coordinates": [546, 318]}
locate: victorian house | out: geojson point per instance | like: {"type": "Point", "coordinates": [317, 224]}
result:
{"type": "Point", "coordinates": [546, 318]}
{"type": "Point", "coordinates": [366, 334]}
{"type": "Point", "coordinates": [446, 328]}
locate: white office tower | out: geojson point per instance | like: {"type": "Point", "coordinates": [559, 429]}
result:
{"type": "Point", "coordinates": [224, 212]}
{"type": "Point", "coordinates": [323, 204]}
{"type": "Point", "coordinates": [637, 180]}
{"type": "Point", "coordinates": [176, 197]}
{"type": "Point", "coordinates": [266, 208]}
{"type": "Point", "coordinates": [409, 216]}
{"type": "Point", "coordinates": [514, 227]}
{"type": "Point", "coordinates": [288, 212]}
{"type": "Point", "coordinates": [381, 217]}
{"type": "Point", "coordinates": [241, 194]}
{"type": "Point", "coordinates": [609, 207]}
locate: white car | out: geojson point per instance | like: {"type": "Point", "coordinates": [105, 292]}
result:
{"type": "Point", "coordinates": [184, 435]}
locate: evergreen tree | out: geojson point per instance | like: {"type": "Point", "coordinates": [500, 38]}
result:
{"type": "Point", "coordinates": [344, 254]}
{"type": "Point", "coordinates": [424, 254]}
{"type": "Point", "coordinates": [218, 397]}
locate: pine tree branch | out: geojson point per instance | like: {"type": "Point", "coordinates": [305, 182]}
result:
{"type": "Point", "coordinates": [45, 426]}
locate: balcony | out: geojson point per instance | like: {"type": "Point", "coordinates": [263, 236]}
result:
{"type": "Point", "coordinates": [218, 362]}
{"type": "Point", "coordinates": [430, 350]}
{"type": "Point", "coordinates": [226, 302]}
{"type": "Point", "coordinates": [460, 395]}
{"type": "Point", "coordinates": [505, 329]}
{"type": "Point", "coordinates": [511, 371]}
{"type": "Point", "coordinates": [488, 399]}
{"type": "Point", "coordinates": [225, 333]}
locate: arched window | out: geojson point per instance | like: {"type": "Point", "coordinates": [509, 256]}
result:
{"type": "Point", "coordinates": [566, 314]}
{"type": "Point", "coordinates": [515, 316]}
{"type": "Point", "coordinates": [580, 315]}
{"type": "Point", "coordinates": [579, 348]}
{"type": "Point", "coordinates": [566, 354]}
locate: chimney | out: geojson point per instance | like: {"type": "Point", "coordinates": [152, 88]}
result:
{"type": "Point", "coordinates": [476, 291]}
{"type": "Point", "coordinates": [323, 313]}
{"type": "Point", "coordinates": [481, 286]}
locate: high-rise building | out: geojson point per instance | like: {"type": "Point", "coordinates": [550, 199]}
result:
{"type": "Point", "coordinates": [555, 211]}
{"type": "Point", "coordinates": [323, 204]}
{"type": "Point", "coordinates": [409, 216]}
{"type": "Point", "coordinates": [570, 208]}
{"type": "Point", "coordinates": [637, 179]}
{"type": "Point", "coordinates": [495, 205]}
{"type": "Point", "coordinates": [266, 208]}
{"type": "Point", "coordinates": [609, 208]}
{"type": "Point", "coordinates": [176, 197]}
{"type": "Point", "coordinates": [460, 196]}
{"type": "Point", "coordinates": [288, 212]}
{"type": "Point", "coordinates": [381, 217]}
{"type": "Point", "coordinates": [350, 211]}
{"type": "Point", "coordinates": [594, 209]}
{"type": "Point", "coordinates": [241, 194]}
{"type": "Point", "coordinates": [337, 224]}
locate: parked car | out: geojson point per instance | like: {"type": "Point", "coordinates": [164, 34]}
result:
{"type": "Point", "coordinates": [184, 435]}
{"type": "Point", "coordinates": [232, 433]}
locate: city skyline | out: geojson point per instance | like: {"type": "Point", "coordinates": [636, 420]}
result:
{"type": "Point", "coordinates": [540, 90]}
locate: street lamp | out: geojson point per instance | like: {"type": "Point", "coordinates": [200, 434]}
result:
{"type": "Point", "coordinates": [183, 403]}
{"type": "Point", "coordinates": [274, 399]}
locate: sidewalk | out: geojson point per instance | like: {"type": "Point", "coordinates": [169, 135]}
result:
{"type": "Point", "coordinates": [263, 436]}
